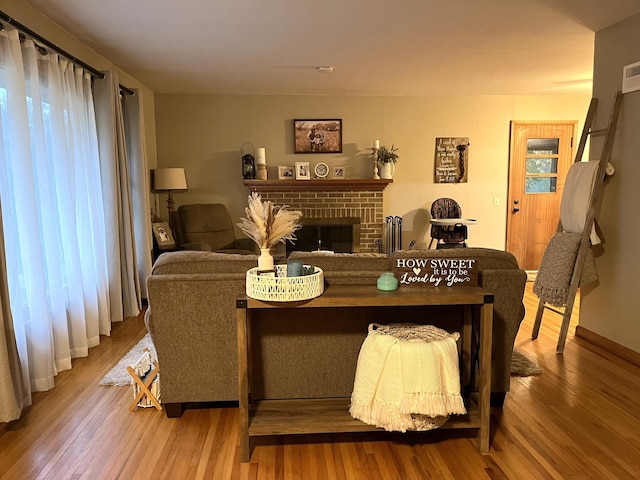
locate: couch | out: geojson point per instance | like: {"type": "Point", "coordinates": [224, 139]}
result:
{"type": "Point", "coordinates": [192, 321]}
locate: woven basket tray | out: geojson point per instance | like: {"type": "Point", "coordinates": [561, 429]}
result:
{"type": "Point", "coordinates": [282, 288]}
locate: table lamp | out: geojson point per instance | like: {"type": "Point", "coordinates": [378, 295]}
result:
{"type": "Point", "coordinates": [169, 180]}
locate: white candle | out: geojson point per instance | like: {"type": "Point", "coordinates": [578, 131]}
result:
{"type": "Point", "coordinates": [376, 144]}
{"type": "Point", "coordinates": [262, 156]}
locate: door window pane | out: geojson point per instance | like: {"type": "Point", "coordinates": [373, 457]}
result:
{"type": "Point", "coordinates": [540, 185]}
{"type": "Point", "coordinates": [543, 146]}
{"type": "Point", "coordinates": [542, 165]}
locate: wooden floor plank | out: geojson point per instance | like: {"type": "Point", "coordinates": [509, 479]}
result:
{"type": "Point", "coordinates": [577, 420]}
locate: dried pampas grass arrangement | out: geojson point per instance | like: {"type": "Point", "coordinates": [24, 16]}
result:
{"type": "Point", "coordinates": [267, 224]}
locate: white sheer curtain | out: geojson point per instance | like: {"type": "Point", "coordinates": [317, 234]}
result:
{"type": "Point", "coordinates": [53, 213]}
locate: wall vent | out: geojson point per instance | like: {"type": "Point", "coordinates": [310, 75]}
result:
{"type": "Point", "coordinates": [631, 77]}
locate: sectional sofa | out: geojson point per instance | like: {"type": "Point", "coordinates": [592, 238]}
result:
{"type": "Point", "coordinates": [192, 321]}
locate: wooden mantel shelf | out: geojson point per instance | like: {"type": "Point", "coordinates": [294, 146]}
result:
{"type": "Point", "coordinates": [331, 185]}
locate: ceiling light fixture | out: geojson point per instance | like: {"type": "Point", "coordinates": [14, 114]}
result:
{"type": "Point", "coordinates": [325, 69]}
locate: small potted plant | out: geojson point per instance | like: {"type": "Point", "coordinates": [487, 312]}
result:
{"type": "Point", "coordinates": [387, 158]}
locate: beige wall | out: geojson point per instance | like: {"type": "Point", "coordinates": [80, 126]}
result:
{"type": "Point", "coordinates": [610, 309]}
{"type": "Point", "coordinates": [204, 133]}
{"type": "Point", "coordinates": [30, 18]}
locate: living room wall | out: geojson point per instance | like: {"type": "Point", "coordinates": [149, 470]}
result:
{"type": "Point", "coordinates": [610, 309]}
{"type": "Point", "coordinates": [204, 134]}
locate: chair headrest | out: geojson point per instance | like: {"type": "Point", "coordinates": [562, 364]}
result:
{"type": "Point", "coordinates": [445, 208]}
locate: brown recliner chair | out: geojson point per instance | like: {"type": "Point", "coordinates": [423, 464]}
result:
{"type": "Point", "coordinates": [208, 227]}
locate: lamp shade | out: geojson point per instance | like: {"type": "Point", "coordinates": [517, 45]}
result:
{"type": "Point", "coordinates": [169, 179]}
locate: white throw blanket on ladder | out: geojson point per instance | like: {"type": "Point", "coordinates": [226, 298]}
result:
{"type": "Point", "coordinates": [407, 384]}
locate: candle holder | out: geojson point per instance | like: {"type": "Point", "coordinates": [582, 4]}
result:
{"type": "Point", "coordinates": [261, 171]}
{"type": "Point", "coordinates": [375, 163]}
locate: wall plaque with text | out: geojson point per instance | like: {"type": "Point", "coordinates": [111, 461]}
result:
{"type": "Point", "coordinates": [451, 160]}
{"type": "Point", "coordinates": [436, 272]}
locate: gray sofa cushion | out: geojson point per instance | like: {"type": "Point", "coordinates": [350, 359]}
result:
{"type": "Point", "coordinates": [196, 262]}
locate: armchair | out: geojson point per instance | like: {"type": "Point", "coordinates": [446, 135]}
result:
{"type": "Point", "coordinates": [208, 227]}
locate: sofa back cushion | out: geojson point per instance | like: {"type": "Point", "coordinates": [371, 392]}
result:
{"type": "Point", "coordinates": [195, 262]}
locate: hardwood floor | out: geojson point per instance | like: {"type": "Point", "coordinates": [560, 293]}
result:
{"type": "Point", "coordinates": [579, 419]}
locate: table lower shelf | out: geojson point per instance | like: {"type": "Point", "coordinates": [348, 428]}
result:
{"type": "Point", "coordinates": [326, 415]}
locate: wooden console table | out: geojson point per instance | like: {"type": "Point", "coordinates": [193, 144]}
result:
{"type": "Point", "coordinates": [330, 415]}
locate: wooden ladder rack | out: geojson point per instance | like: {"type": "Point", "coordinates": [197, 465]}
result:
{"type": "Point", "coordinates": [595, 199]}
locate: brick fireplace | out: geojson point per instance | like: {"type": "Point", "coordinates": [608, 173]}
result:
{"type": "Point", "coordinates": [322, 200]}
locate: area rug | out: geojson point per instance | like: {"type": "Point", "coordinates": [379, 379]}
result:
{"type": "Point", "coordinates": [521, 364]}
{"type": "Point", "coordinates": [118, 375]}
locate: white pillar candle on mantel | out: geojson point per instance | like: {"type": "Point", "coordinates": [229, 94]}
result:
{"type": "Point", "coordinates": [262, 156]}
{"type": "Point", "coordinates": [376, 144]}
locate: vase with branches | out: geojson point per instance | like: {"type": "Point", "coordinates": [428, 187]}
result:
{"type": "Point", "coordinates": [267, 225]}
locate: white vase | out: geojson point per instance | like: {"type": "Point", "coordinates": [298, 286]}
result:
{"type": "Point", "coordinates": [265, 260]}
{"type": "Point", "coordinates": [387, 170]}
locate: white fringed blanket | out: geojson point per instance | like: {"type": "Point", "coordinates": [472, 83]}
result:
{"type": "Point", "coordinates": [411, 383]}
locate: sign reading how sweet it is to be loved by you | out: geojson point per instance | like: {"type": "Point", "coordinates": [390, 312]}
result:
{"type": "Point", "coordinates": [436, 272]}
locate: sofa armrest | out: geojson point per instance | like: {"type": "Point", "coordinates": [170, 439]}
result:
{"type": "Point", "coordinates": [508, 312]}
{"type": "Point", "coordinates": [192, 322]}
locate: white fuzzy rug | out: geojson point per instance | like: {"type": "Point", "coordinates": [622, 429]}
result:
{"type": "Point", "coordinates": [521, 364]}
{"type": "Point", "coordinates": [118, 375]}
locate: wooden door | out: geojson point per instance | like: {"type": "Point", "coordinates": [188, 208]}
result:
{"type": "Point", "coordinates": [539, 159]}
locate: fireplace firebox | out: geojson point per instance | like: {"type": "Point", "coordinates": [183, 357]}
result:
{"type": "Point", "coordinates": [340, 235]}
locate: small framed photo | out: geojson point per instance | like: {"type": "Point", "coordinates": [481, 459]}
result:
{"type": "Point", "coordinates": [340, 172]}
{"type": "Point", "coordinates": [286, 173]}
{"type": "Point", "coordinates": [302, 171]}
{"type": "Point", "coordinates": [163, 235]}
{"type": "Point", "coordinates": [318, 136]}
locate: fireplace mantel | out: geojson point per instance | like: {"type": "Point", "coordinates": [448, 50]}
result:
{"type": "Point", "coordinates": [326, 185]}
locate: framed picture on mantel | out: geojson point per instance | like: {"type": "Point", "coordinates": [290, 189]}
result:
{"type": "Point", "coordinates": [318, 136]}
{"type": "Point", "coordinates": [286, 173]}
{"type": "Point", "coordinates": [302, 171]}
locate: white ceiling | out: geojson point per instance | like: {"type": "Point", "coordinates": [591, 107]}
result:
{"type": "Point", "coordinates": [405, 47]}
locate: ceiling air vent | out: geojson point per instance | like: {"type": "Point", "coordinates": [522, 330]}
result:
{"type": "Point", "coordinates": [631, 77]}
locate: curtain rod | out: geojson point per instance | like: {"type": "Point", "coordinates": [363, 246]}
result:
{"type": "Point", "coordinates": [27, 31]}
